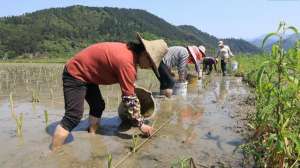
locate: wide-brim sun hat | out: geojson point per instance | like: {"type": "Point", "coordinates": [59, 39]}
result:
{"type": "Point", "coordinates": [196, 56]}
{"type": "Point", "coordinates": [202, 49]}
{"type": "Point", "coordinates": [155, 49]}
{"type": "Point", "coordinates": [220, 43]}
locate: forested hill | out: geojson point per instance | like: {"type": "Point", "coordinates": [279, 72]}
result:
{"type": "Point", "coordinates": [59, 32]}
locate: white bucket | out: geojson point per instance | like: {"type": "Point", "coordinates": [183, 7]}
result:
{"type": "Point", "coordinates": [234, 65]}
{"type": "Point", "coordinates": [180, 88]}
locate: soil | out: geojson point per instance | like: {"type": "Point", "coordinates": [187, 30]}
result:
{"type": "Point", "coordinates": [208, 125]}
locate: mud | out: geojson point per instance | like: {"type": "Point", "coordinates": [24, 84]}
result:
{"type": "Point", "coordinates": [207, 125]}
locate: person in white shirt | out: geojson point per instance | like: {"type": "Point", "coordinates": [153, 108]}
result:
{"type": "Point", "coordinates": [224, 53]}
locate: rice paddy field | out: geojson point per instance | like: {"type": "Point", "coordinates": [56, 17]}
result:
{"type": "Point", "coordinates": [203, 129]}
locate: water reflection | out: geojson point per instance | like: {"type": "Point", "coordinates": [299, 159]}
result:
{"type": "Point", "coordinates": [221, 91]}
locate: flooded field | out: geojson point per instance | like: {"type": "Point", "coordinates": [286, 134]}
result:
{"type": "Point", "coordinates": [205, 125]}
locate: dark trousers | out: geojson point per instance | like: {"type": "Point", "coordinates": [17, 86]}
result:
{"type": "Point", "coordinates": [166, 79]}
{"type": "Point", "coordinates": [208, 64]}
{"type": "Point", "coordinates": [75, 92]}
{"type": "Point", "coordinates": [223, 67]}
{"type": "Point", "coordinates": [207, 68]}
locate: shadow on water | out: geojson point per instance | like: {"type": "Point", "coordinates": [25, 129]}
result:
{"type": "Point", "coordinates": [110, 126]}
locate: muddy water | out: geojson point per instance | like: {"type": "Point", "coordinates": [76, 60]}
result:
{"type": "Point", "coordinates": [201, 127]}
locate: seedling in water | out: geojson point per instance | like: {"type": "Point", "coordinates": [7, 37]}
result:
{"type": "Point", "coordinates": [35, 97]}
{"type": "Point", "coordinates": [18, 120]}
{"type": "Point", "coordinates": [109, 161]}
{"type": "Point", "coordinates": [134, 142]}
{"type": "Point", "coordinates": [51, 94]}
{"type": "Point", "coordinates": [184, 163]}
{"type": "Point", "coordinates": [46, 117]}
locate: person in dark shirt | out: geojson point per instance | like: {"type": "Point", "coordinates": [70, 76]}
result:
{"type": "Point", "coordinates": [208, 64]}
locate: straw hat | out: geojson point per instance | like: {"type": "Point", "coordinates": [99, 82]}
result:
{"type": "Point", "coordinates": [220, 43]}
{"type": "Point", "coordinates": [202, 49]}
{"type": "Point", "coordinates": [155, 49]}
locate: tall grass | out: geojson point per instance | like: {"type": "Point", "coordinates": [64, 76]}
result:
{"type": "Point", "coordinates": [276, 138]}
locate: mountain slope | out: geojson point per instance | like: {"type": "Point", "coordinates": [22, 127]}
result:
{"type": "Point", "coordinates": [63, 31]}
{"type": "Point", "coordinates": [237, 45]}
{"type": "Point", "coordinates": [288, 41]}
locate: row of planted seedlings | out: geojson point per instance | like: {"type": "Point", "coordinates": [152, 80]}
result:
{"type": "Point", "coordinates": [42, 83]}
{"type": "Point", "coordinates": [47, 79]}
{"type": "Point", "coordinates": [35, 78]}
{"type": "Point", "coordinates": [33, 81]}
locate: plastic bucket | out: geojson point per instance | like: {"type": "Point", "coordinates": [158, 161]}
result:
{"type": "Point", "coordinates": [234, 65]}
{"type": "Point", "coordinates": [180, 88]}
{"type": "Point", "coordinates": [147, 104]}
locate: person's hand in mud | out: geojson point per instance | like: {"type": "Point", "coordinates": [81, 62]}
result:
{"type": "Point", "coordinates": [147, 130]}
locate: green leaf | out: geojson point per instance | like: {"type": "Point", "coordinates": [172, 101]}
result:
{"type": "Point", "coordinates": [294, 29]}
{"type": "Point", "coordinates": [260, 75]}
{"type": "Point", "coordinates": [268, 36]}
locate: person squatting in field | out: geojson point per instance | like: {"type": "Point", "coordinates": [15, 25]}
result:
{"type": "Point", "coordinates": [224, 53]}
{"type": "Point", "coordinates": [178, 57]}
{"type": "Point", "coordinates": [105, 63]}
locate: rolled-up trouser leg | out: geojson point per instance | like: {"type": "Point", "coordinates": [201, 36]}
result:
{"type": "Point", "coordinates": [95, 100]}
{"type": "Point", "coordinates": [74, 94]}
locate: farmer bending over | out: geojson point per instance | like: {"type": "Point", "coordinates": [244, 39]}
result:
{"type": "Point", "coordinates": [105, 63]}
{"type": "Point", "coordinates": [208, 64]}
{"type": "Point", "coordinates": [179, 57]}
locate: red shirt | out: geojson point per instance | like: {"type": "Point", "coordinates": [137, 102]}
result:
{"type": "Point", "coordinates": [105, 63]}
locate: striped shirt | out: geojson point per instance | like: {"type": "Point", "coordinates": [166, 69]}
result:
{"type": "Point", "coordinates": [177, 57]}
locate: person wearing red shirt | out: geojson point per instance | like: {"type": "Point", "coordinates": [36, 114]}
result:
{"type": "Point", "coordinates": [105, 63]}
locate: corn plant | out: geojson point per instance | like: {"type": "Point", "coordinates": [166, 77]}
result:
{"type": "Point", "coordinates": [276, 139]}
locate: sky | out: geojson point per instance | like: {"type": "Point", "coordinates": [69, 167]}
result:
{"type": "Point", "coordinates": [245, 19]}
